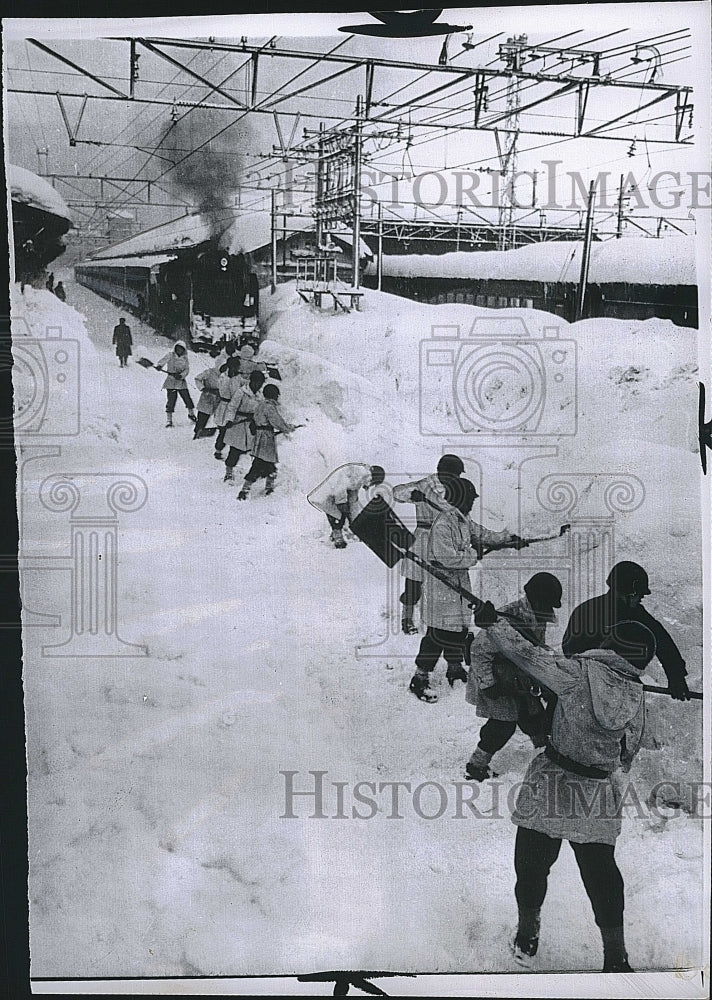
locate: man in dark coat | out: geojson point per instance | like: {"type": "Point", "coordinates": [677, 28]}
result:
{"type": "Point", "coordinates": [60, 292]}
{"type": "Point", "coordinates": [122, 340]}
{"type": "Point", "coordinates": [591, 623]}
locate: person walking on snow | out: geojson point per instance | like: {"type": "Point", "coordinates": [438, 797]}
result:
{"type": "Point", "coordinates": [239, 437]}
{"type": "Point", "coordinates": [229, 383]}
{"type": "Point", "coordinates": [592, 621]}
{"type": "Point", "coordinates": [428, 495]}
{"type": "Point", "coordinates": [60, 292]}
{"type": "Point", "coordinates": [208, 382]}
{"type": "Point", "coordinates": [122, 340]}
{"type": "Point", "coordinates": [446, 614]}
{"type": "Point", "coordinates": [597, 728]}
{"type": "Point", "coordinates": [499, 691]}
{"type": "Point", "coordinates": [176, 366]}
{"type": "Point", "coordinates": [268, 422]}
{"type": "Point", "coordinates": [338, 495]}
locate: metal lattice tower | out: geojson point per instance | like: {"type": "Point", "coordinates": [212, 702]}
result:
{"type": "Point", "coordinates": [511, 54]}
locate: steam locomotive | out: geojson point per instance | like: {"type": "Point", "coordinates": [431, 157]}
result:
{"type": "Point", "coordinates": [202, 293]}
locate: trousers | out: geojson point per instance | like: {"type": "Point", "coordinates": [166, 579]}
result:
{"type": "Point", "coordinates": [172, 397]}
{"type": "Point", "coordinates": [534, 855]}
{"type": "Point", "coordinates": [260, 470]}
{"type": "Point", "coordinates": [412, 590]}
{"type": "Point", "coordinates": [437, 642]}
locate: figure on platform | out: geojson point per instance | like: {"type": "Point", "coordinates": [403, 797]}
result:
{"type": "Point", "coordinates": [176, 366]}
{"type": "Point", "coordinates": [122, 340]}
{"type": "Point", "coordinates": [592, 621]}
{"type": "Point", "coordinates": [500, 692]}
{"type": "Point", "coordinates": [428, 495]}
{"type": "Point", "coordinates": [239, 436]}
{"type": "Point", "coordinates": [268, 422]}
{"type": "Point", "coordinates": [597, 728]}
{"type": "Point", "coordinates": [338, 495]}
{"type": "Point", "coordinates": [60, 292]}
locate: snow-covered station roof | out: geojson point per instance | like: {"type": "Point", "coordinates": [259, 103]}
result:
{"type": "Point", "coordinates": [145, 261]}
{"type": "Point", "coordinates": [29, 189]}
{"type": "Point", "coordinates": [639, 261]}
{"type": "Point", "coordinates": [188, 231]}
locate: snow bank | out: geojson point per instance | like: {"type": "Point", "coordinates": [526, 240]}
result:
{"type": "Point", "coordinates": [29, 189]}
{"type": "Point", "coordinates": [668, 261]}
{"type": "Point", "coordinates": [158, 778]}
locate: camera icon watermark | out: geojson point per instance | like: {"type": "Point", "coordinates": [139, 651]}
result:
{"type": "Point", "coordinates": [46, 383]}
{"type": "Point", "coordinates": [497, 379]}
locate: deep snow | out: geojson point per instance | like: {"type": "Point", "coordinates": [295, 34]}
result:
{"type": "Point", "coordinates": [643, 261]}
{"type": "Point", "coordinates": [156, 843]}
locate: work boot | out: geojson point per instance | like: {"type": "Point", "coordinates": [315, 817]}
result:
{"type": "Point", "coordinates": [615, 957]}
{"type": "Point", "coordinates": [270, 484]}
{"type": "Point", "coordinates": [455, 672]}
{"type": "Point", "coordinates": [526, 940]}
{"type": "Point", "coordinates": [242, 495]}
{"type": "Point", "coordinates": [229, 476]}
{"type": "Point", "coordinates": [338, 539]}
{"type": "Point", "coordinates": [218, 455]}
{"type": "Point", "coordinates": [192, 416]}
{"type": "Point", "coordinates": [169, 419]}
{"type": "Point", "coordinates": [408, 626]}
{"type": "Point", "coordinates": [420, 686]}
{"type": "Point", "coordinates": [477, 768]}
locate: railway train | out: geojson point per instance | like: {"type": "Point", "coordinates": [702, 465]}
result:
{"type": "Point", "coordinates": [182, 279]}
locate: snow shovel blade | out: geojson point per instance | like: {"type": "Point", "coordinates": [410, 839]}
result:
{"type": "Point", "coordinates": [145, 363]}
{"type": "Point", "coordinates": [273, 373]}
{"type": "Point", "coordinates": [380, 528]}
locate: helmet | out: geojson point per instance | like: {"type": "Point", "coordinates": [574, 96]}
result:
{"type": "Point", "coordinates": [451, 465]}
{"type": "Point", "coordinates": [378, 475]}
{"type": "Point", "coordinates": [544, 589]}
{"type": "Point", "coordinates": [247, 352]}
{"type": "Point", "coordinates": [270, 392]}
{"type": "Point", "coordinates": [625, 575]}
{"type": "Point", "coordinates": [460, 493]}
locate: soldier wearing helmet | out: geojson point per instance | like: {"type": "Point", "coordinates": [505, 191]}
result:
{"type": "Point", "coordinates": [592, 622]}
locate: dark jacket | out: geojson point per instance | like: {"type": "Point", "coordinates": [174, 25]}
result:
{"type": "Point", "coordinates": [593, 620]}
{"type": "Point", "coordinates": [123, 340]}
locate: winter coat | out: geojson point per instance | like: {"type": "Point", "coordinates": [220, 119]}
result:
{"type": "Point", "coordinates": [240, 412]}
{"type": "Point", "coordinates": [227, 387]}
{"type": "Point", "coordinates": [177, 368]}
{"type": "Point", "coordinates": [449, 545]}
{"type": "Point", "coordinates": [341, 488]}
{"type": "Point", "coordinates": [122, 339]}
{"type": "Point", "coordinates": [268, 420]}
{"type": "Point", "coordinates": [593, 620]}
{"type": "Point", "coordinates": [60, 292]}
{"type": "Point", "coordinates": [598, 722]}
{"type": "Point", "coordinates": [207, 382]}
{"type": "Point", "coordinates": [425, 513]}
{"type": "Point", "coordinates": [489, 666]}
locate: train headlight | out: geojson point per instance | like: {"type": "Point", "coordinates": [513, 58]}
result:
{"type": "Point", "coordinates": [223, 263]}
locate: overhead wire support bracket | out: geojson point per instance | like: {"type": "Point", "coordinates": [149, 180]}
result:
{"type": "Point", "coordinates": [72, 132]}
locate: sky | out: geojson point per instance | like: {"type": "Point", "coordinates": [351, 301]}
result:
{"type": "Point", "coordinates": [142, 141]}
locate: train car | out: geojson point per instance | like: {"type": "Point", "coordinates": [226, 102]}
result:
{"type": "Point", "coordinates": [181, 280]}
{"type": "Point", "coordinates": [40, 219]}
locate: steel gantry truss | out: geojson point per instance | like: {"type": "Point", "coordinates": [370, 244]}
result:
{"type": "Point", "coordinates": [530, 76]}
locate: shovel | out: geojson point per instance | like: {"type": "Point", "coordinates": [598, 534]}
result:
{"type": "Point", "coordinates": [145, 363]}
{"type": "Point", "coordinates": [380, 528]}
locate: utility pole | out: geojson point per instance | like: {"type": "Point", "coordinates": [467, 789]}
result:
{"type": "Point", "coordinates": [379, 263]}
{"type": "Point", "coordinates": [273, 220]}
{"type": "Point", "coordinates": [586, 256]}
{"type": "Point", "coordinates": [42, 167]}
{"type": "Point", "coordinates": [358, 135]}
{"type": "Point", "coordinates": [511, 53]}
{"type": "Point", "coordinates": [619, 223]}
{"type": "Point", "coordinates": [320, 188]}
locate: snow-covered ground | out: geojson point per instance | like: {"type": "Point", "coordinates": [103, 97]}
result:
{"type": "Point", "coordinates": [156, 843]}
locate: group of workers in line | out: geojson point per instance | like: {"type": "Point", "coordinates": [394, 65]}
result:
{"type": "Point", "coordinates": [583, 708]}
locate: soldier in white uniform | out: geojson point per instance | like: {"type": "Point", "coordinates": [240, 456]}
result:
{"type": "Point", "coordinates": [338, 495]}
